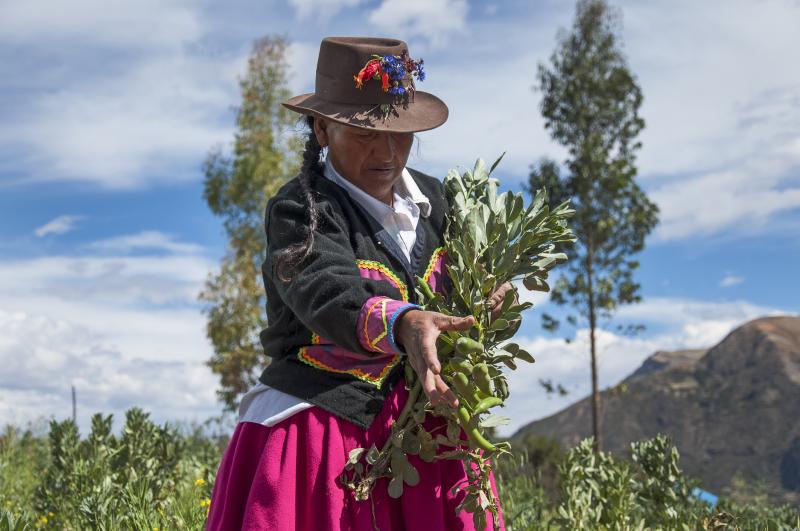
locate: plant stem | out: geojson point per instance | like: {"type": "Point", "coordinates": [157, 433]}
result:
{"type": "Point", "coordinates": [377, 470]}
{"type": "Point", "coordinates": [413, 394]}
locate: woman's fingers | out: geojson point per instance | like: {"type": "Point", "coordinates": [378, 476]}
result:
{"type": "Point", "coordinates": [451, 322]}
{"type": "Point", "coordinates": [429, 353]}
{"type": "Point", "coordinates": [437, 390]}
{"type": "Point", "coordinates": [419, 331]}
{"type": "Point", "coordinates": [429, 385]}
{"type": "Point", "coordinates": [498, 296]}
{"type": "Point", "coordinates": [445, 393]}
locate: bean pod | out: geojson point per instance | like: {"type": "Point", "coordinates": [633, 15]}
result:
{"type": "Point", "coordinates": [481, 375]}
{"type": "Point", "coordinates": [473, 432]}
{"type": "Point", "coordinates": [467, 345]}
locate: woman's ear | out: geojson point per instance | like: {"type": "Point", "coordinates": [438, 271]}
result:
{"type": "Point", "coordinates": [321, 130]}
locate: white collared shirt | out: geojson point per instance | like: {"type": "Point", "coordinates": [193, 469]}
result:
{"type": "Point", "coordinates": [400, 220]}
{"type": "Point", "coordinates": [267, 406]}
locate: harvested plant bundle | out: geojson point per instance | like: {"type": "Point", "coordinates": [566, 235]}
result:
{"type": "Point", "coordinates": [490, 239]}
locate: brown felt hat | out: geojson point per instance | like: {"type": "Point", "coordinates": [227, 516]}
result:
{"type": "Point", "coordinates": [337, 97]}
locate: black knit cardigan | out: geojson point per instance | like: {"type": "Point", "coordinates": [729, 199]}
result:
{"type": "Point", "coordinates": [330, 328]}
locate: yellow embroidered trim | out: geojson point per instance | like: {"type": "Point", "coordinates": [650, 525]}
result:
{"type": "Point", "coordinates": [392, 277]}
{"type": "Point", "coordinates": [434, 258]}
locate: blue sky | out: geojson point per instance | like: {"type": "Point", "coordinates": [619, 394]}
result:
{"type": "Point", "coordinates": [109, 108]}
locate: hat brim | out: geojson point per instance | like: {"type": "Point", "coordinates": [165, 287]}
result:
{"type": "Point", "coordinates": [425, 112]}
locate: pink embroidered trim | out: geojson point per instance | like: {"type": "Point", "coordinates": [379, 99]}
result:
{"type": "Point", "coordinates": [376, 323]}
{"type": "Point", "coordinates": [381, 272]}
{"type": "Point", "coordinates": [327, 356]}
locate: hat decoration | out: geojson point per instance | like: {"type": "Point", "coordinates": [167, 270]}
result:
{"type": "Point", "coordinates": [396, 74]}
{"type": "Point", "coordinates": [369, 82]}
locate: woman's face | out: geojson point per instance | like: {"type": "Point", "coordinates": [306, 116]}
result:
{"type": "Point", "coordinates": [371, 160]}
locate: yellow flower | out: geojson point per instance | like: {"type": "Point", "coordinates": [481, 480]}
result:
{"type": "Point", "coordinates": [205, 503]}
{"type": "Point", "coordinates": [199, 482]}
{"type": "Point", "coordinates": [42, 520]}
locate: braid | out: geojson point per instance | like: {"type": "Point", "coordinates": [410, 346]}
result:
{"type": "Point", "coordinates": [294, 255]}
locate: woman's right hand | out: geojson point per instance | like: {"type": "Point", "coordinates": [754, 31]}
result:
{"type": "Point", "coordinates": [417, 331]}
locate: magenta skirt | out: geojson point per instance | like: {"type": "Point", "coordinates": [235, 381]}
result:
{"type": "Point", "coordinates": [285, 477]}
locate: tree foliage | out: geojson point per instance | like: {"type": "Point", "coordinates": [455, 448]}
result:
{"type": "Point", "coordinates": [237, 186]}
{"type": "Point", "coordinates": [591, 106]}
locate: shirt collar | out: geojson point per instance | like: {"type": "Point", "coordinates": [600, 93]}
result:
{"type": "Point", "coordinates": [406, 187]}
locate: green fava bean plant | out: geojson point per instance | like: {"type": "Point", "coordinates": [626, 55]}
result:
{"type": "Point", "coordinates": [490, 239]}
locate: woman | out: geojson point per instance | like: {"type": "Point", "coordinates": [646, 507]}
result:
{"type": "Point", "coordinates": [345, 240]}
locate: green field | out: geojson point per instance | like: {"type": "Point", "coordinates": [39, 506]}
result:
{"type": "Point", "coordinates": [151, 477]}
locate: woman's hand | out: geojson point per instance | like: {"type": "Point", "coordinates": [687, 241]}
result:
{"type": "Point", "coordinates": [417, 331]}
{"type": "Point", "coordinates": [497, 299]}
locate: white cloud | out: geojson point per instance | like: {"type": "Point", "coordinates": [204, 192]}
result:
{"type": "Point", "coordinates": [144, 24]}
{"type": "Point", "coordinates": [489, 115]}
{"type": "Point", "coordinates": [59, 225]}
{"type": "Point", "coordinates": [730, 280]}
{"type": "Point", "coordinates": [122, 130]}
{"type": "Point", "coordinates": [721, 111]}
{"type": "Point", "coordinates": [43, 357]}
{"type": "Point", "coordinates": [136, 99]}
{"type": "Point", "coordinates": [323, 9]}
{"type": "Point", "coordinates": [745, 196]}
{"type": "Point", "coordinates": [676, 324]}
{"type": "Point", "coordinates": [151, 239]}
{"type": "Point", "coordinates": [721, 149]}
{"type": "Point", "coordinates": [113, 280]}
{"type": "Point", "coordinates": [299, 55]}
{"type": "Point", "coordinates": [126, 330]}
{"type": "Point", "coordinates": [707, 80]}
{"type": "Point", "coordinates": [434, 20]}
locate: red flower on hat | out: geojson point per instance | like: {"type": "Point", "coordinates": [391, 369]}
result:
{"type": "Point", "coordinates": [384, 81]}
{"type": "Point", "coordinates": [368, 72]}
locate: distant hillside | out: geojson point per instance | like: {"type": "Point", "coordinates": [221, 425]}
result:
{"type": "Point", "coordinates": [731, 409]}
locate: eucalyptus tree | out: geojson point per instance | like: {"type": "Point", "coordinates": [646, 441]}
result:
{"type": "Point", "coordinates": [237, 186]}
{"type": "Point", "coordinates": [590, 103]}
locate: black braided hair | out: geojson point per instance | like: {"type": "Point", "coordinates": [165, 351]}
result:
{"type": "Point", "coordinates": [290, 258]}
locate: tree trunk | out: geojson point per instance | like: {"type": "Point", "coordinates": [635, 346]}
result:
{"type": "Point", "coordinates": [598, 442]}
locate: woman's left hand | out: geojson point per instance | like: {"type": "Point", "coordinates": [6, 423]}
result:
{"type": "Point", "coordinates": [417, 331]}
{"type": "Point", "coordinates": [497, 298]}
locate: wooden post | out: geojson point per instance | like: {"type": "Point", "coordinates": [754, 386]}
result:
{"type": "Point", "coordinates": [74, 407]}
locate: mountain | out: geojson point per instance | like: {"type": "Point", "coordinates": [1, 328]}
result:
{"type": "Point", "coordinates": [732, 410]}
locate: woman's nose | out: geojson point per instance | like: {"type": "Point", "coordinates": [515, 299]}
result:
{"type": "Point", "coordinates": [386, 145]}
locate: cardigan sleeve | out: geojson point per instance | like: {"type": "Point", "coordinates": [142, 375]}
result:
{"type": "Point", "coordinates": [327, 292]}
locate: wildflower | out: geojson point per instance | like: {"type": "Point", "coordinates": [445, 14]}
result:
{"type": "Point", "coordinates": [199, 482]}
{"type": "Point", "coordinates": [205, 503]}
{"type": "Point", "coordinates": [43, 520]}
{"type": "Point", "coordinates": [368, 72]}
{"type": "Point", "coordinates": [420, 71]}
